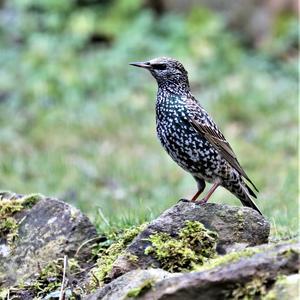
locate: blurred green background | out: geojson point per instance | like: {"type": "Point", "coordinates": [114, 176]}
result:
{"type": "Point", "coordinates": [77, 122]}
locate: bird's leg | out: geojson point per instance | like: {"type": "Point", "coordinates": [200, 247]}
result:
{"type": "Point", "coordinates": [196, 196]}
{"type": "Point", "coordinates": [201, 187]}
{"type": "Point", "coordinates": [210, 192]}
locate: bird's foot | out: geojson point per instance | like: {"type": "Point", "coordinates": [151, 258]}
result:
{"type": "Point", "coordinates": [183, 200]}
{"type": "Point", "coordinates": [201, 202]}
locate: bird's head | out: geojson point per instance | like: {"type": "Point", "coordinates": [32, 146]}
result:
{"type": "Point", "coordinates": [166, 71]}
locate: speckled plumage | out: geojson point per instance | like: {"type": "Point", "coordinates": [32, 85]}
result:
{"type": "Point", "coordinates": [190, 136]}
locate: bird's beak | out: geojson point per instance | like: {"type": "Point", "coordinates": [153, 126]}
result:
{"type": "Point", "coordinates": [145, 65]}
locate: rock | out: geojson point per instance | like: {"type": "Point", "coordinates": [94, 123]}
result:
{"type": "Point", "coordinates": [131, 284]}
{"type": "Point", "coordinates": [285, 288]}
{"type": "Point", "coordinates": [237, 228]}
{"type": "Point", "coordinates": [247, 276]}
{"type": "Point", "coordinates": [44, 229]}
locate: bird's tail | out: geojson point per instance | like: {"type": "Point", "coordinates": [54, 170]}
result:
{"type": "Point", "coordinates": [242, 191]}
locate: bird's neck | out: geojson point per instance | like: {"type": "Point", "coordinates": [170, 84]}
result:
{"type": "Point", "coordinates": [169, 100]}
{"type": "Point", "coordinates": [173, 87]}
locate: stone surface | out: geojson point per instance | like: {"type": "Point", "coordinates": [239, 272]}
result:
{"type": "Point", "coordinates": [249, 274]}
{"type": "Point", "coordinates": [48, 230]}
{"type": "Point", "coordinates": [132, 281]}
{"type": "Point", "coordinates": [285, 288]}
{"type": "Point", "coordinates": [237, 227]}
{"type": "Point", "coordinates": [216, 283]}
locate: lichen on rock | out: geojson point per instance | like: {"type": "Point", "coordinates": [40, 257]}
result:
{"type": "Point", "coordinates": [220, 260]}
{"type": "Point", "coordinates": [39, 230]}
{"type": "Point", "coordinates": [237, 229]}
{"type": "Point", "coordinates": [138, 291]}
{"type": "Point", "coordinates": [193, 246]}
{"type": "Point", "coordinates": [49, 279]}
{"type": "Point", "coordinates": [286, 287]}
{"type": "Point", "coordinates": [132, 285]}
{"type": "Point", "coordinates": [107, 256]}
{"type": "Point", "coordinates": [254, 289]}
{"type": "Point", "coordinates": [10, 204]}
{"type": "Point", "coordinates": [282, 287]}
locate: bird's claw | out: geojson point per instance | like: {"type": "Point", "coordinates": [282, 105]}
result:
{"type": "Point", "coordinates": [183, 200]}
{"type": "Point", "coordinates": [201, 202]}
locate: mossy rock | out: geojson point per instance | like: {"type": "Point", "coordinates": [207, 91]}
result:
{"type": "Point", "coordinates": [262, 272]}
{"type": "Point", "coordinates": [193, 245]}
{"type": "Point", "coordinates": [39, 230]}
{"type": "Point", "coordinates": [10, 205]}
{"type": "Point", "coordinates": [285, 288]}
{"type": "Point", "coordinates": [132, 285]}
{"type": "Point", "coordinates": [107, 257]}
{"type": "Point", "coordinates": [187, 235]}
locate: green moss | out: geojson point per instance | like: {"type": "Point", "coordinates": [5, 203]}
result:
{"type": "Point", "coordinates": [235, 256]}
{"type": "Point", "coordinates": [281, 279]}
{"type": "Point", "coordinates": [270, 296]}
{"type": "Point", "coordinates": [131, 258]}
{"type": "Point", "coordinates": [138, 291]}
{"type": "Point", "coordinates": [109, 255]}
{"type": "Point", "coordinates": [48, 280]}
{"type": "Point", "coordinates": [283, 288]}
{"type": "Point", "coordinates": [10, 204]}
{"type": "Point", "coordinates": [9, 229]}
{"type": "Point", "coordinates": [255, 289]}
{"type": "Point", "coordinates": [193, 246]}
{"type": "Point", "coordinates": [240, 217]}
{"type": "Point", "coordinates": [4, 292]}
{"type": "Point", "coordinates": [50, 277]}
{"type": "Point", "coordinates": [289, 252]}
{"type": "Point", "coordinates": [226, 259]}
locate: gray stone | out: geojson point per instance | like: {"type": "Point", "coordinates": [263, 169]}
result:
{"type": "Point", "coordinates": [285, 288]}
{"type": "Point", "coordinates": [122, 287]}
{"type": "Point", "coordinates": [254, 273]}
{"type": "Point", "coordinates": [231, 278]}
{"type": "Point", "coordinates": [237, 228]}
{"type": "Point", "coordinates": [48, 230]}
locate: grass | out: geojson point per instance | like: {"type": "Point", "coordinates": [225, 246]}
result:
{"type": "Point", "coordinates": [78, 123]}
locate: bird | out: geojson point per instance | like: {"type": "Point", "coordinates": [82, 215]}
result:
{"type": "Point", "coordinates": [191, 137]}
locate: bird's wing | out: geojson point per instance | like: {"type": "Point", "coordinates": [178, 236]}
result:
{"type": "Point", "coordinates": [203, 124]}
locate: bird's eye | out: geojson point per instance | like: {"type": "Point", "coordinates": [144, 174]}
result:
{"type": "Point", "coordinates": [159, 66]}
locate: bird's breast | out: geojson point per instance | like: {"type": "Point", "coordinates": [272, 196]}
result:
{"type": "Point", "coordinates": [181, 141]}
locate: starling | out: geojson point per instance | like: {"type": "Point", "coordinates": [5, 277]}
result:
{"type": "Point", "coordinates": [191, 137]}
